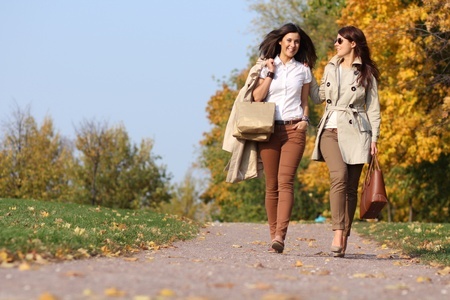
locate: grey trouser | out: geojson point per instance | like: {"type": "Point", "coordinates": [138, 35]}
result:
{"type": "Point", "coordinates": [344, 179]}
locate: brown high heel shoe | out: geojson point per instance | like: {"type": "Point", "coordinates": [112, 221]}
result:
{"type": "Point", "coordinates": [337, 250]}
{"type": "Point", "coordinates": [278, 245]}
{"type": "Point", "coordinates": [340, 251]}
{"type": "Point", "coordinates": [344, 245]}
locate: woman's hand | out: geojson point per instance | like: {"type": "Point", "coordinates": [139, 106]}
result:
{"type": "Point", "coordinates": [302, 125]}
{"type": "Point", "coordinates": [373, 148]}
{"type": "Point", "coordinates": [270, 64]}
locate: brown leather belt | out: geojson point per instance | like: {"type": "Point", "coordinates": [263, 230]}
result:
{"type": "Point", "coordinates": [290, 122]}
{"type": "Point", "coordinates": [334, 130]}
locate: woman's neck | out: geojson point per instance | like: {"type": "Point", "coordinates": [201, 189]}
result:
{"type": "Point", "coordinates": [347, 60]}
{"type": "Point", "coordinates": [284, 59]}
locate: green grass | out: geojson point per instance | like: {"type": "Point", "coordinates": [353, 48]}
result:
{"type": "Point", "coordinates": [429, 242]}
{"type": "Point", "coordinates": [32, 230]}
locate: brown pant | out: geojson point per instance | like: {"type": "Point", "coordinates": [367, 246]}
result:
{"type": "Point", "coordinates": [344, 180]}
{"type": "Point", "coordinates": [281, 156]}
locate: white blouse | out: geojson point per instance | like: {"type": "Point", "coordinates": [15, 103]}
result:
{"type": "Point", "coordinates": [286, 88]}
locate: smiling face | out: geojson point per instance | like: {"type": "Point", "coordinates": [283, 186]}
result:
{"type": "Point", "coordinates": [289, 46]}
{"type": "Point", "coordinates": [343, 46]}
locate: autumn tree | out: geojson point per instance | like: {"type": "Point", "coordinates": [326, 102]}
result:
{"type": "Point", "coordinates": [410, 43]}
{"type": "Point", "coordinates": [33, 159]}
{"type": "Point", "coordinates": [113, 172]}
{"type": "Point", "coordinates": [186, 202]}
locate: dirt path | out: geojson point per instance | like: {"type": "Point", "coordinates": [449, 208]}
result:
{"type": "Point", "coordinates": [230, 261]}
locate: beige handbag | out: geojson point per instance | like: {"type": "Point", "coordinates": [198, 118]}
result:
{"type": "Point", "coordinates": [254, 121]}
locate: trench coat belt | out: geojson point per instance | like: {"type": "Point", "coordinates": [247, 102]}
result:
{"type": "Point", "coordinates": [346, 109]}
{"type": "Point", "coordinates": [349, 110]}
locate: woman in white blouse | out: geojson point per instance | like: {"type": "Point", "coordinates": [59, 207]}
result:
{"type": "Point", "coordinates": [290, 54]}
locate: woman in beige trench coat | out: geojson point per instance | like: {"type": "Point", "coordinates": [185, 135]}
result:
{"type": "Point", "coordinates": [349, 129]}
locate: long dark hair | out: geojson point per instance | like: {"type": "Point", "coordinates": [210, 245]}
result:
{"type": "Point", "coordinates": [368, 68]}
{"type": "Point", "coordinates": [270, 47]}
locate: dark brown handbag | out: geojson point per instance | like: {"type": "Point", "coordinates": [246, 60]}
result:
{"type": "Point", "coordinates": [373, 196]}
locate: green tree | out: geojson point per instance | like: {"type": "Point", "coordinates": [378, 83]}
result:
{"type": "Point", "coordinates": [33, 159]}
{"type": "Point", "coordinates": [186, 200]}
{"type": "Point", "coordinates": [112, 172]}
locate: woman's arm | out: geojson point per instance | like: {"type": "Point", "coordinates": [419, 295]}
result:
{"type": "Point", "coordinates": [262, 88]}
{"type": "Point", "coordinates": [304, 104]}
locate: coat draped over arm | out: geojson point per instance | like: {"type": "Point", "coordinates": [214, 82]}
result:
{"type": "Point", "coordinates": [245, 162]}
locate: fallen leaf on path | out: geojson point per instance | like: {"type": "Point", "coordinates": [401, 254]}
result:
{"type": "Point", "coordinates": [258, 243]}
{"type": "Point", "coordinates": [47, 296]}
{"type": "Point", "coordinates": [24, 267]}
{"type": "Point", "coordinates": [141, 298]}
{"type": "Point", "coordinates": [399, 286]}
{"type": "Point", "coordinates": [87, 292]}
{"type": "Point", "coordinates": [385, 256]}
{"type": "Point", "coordinates": [236, 246]}
{"type": "Point", "coordinates": [167, 293]}
{"type": "Point", "coordinates": [5, 257]}
{"type": "Point", "coordinates": [7, 265]}
{"type": "Point", "coordinates": [362, 275]}
{"type": "Point", "coordinates": [309, 266]}
{"type": "Point", "coordinates": [73, 274]}
{"type": "Point", "coordinates": [227, 285]}
{"type": "Point", "coordinates": [400, 264]}
{"type": "Point", "coordinates": [131, 259]}
{"type": "Point", "coordinates": [260, 286]}
{"type": "Point", "coordinates": [444, 271]}
{"type": "Point", "coordinates": [114, 292]}
{"type": "Point", "coordinates": [298, 263]}
{"type": "Point", "coordinates": [422, 279]}
{"type": "Point", "coordinates": [258, 265]}
{"type": "Point", "coordinates": [280, 297]}
{"type": "Point", "coordinates": [286, 277]}
{"type": "Point", "coordinates": [322, 272]}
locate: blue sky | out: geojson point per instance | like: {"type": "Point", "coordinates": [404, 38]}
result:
{"type": "Point", "coordinates": [149, 65]}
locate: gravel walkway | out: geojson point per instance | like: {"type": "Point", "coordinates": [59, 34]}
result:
{"type": "Point", "coordinates": [231, 261]}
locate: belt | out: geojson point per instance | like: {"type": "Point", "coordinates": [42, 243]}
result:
{"type": "Point", "coordinates": [334, 130]}
{"type": "Point", "coordinates": [290, 122]}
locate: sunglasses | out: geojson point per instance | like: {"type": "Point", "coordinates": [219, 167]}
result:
{"type": "Point", "coordinates": [338, 40]}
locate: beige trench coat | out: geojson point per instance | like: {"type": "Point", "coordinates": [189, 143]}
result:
{"type": "Point", "coordinates": [358, 113]}
{"type": "Point", "coordinates": [245, 162]}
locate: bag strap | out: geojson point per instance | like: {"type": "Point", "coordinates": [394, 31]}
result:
{"type": "Point", "coordinates": [377, 167]}
{"type": "Point", "coordinates": [373, 161]}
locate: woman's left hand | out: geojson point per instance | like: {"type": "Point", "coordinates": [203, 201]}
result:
{"type": "Point", "coordinates": [373, 148]}
{"type": "Point", "coordinates": [302, 125]}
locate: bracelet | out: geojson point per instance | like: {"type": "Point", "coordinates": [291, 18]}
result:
{"type": "Point", "coordinates": [270, 74]}
{"type": "Point", "coordinates": [305, 118]}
